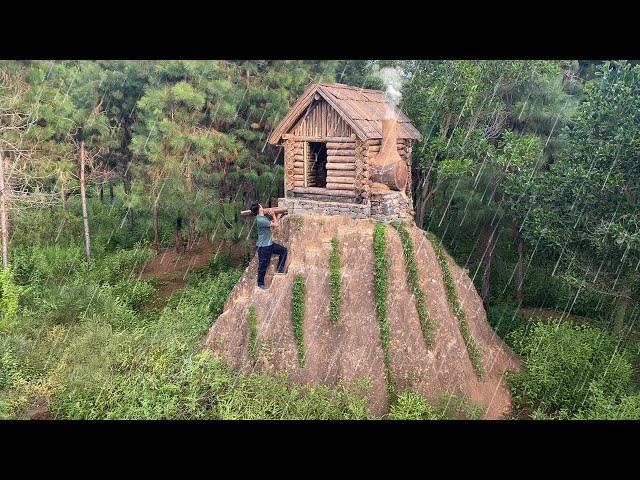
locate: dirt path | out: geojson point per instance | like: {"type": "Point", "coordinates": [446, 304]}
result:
{"type": "Point", "coordinates": [546, 313]}
{"type": "Point", "coordinates": [173, 269]}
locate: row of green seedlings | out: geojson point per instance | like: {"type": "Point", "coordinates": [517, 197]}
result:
{"type": "Point", "coordinates": [297, 315]}
{"type": "Point", "coordinates": [252, 322]}
{"type": "Point", "coordinates": [334, 280]}
{"type": "Point", "coordinates": [473, 348]}
{"type": "Point", "coordinates": [381, 282]}
{"type": "Point", "coordinates": [413, 279]}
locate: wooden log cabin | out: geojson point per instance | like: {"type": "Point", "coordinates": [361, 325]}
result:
{"type": "Point", "coordinates": [332, 138]}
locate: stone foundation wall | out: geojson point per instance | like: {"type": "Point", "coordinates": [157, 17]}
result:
{"type": "Point", "coordinates": [305, 206]}
{"type": "Point", "coordinates": [385, 207]}
{"type": "Point", "coordinates": [390, 206]}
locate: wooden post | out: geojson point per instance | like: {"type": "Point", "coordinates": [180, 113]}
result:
{"type": "Point", "coordinates": [305, 161]}
{"type": "Point", "coordinates": [83, 197]}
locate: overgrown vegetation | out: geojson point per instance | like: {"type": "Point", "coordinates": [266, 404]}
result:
{"type": "Point", "coordinates": [412, 406]}
{"type": "Point", "coordinates": [135, 362]}
{"type": "Point", "coordinates": [334, 279]}
{"type": "Point", "coordinates": [381, 288]}
{"type": "Point", "coordinates": [252, 323]}
{"type": "Point", "coordinates": [473, 349]}
{"type": "Point", "coordinates": [413, 279]}
{"type": "Point", "coordinates": [571, 371]}
{"type": "Point", "coordinates": [527, 174]}
{"type": "Point", "coordinates": [297, 315]}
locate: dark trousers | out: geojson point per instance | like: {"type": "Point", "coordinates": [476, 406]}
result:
{"type": "Point", "coordinates": [264, 258]}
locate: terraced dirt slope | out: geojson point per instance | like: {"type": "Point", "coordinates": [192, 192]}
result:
{"type": "Point", "coordinates": [351, 348]}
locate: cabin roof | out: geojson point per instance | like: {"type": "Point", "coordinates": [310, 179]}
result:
{"type": "Point", "coordinates": [361, 108]}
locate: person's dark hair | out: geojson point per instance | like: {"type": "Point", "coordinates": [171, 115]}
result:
{"type": "Point", "coordinates": [255, 208]}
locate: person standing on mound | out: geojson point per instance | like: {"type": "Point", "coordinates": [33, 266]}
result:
{"type": "Point", "coordinates": [265, 245]}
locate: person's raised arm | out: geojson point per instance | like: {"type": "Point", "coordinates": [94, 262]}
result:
{"type": "Point", "coordinates": [276, 221]}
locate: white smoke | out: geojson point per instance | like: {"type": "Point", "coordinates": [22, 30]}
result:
{"type": "Point", "coordinates": [392, 79]}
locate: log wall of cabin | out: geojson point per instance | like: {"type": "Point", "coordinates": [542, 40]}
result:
{"type": "Point", "coordinates": [322, 124]}
{"type": "Point", "coordinates": [321, 121]}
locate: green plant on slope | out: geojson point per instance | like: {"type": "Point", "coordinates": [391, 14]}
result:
{"type": "Point", "coordinates": [297, 315]}
{"type": "Point", "coordinates": [334, 271]}
{"type": "Point", "coordinates": [473, 349]}
{"type": "Point", "coordinates": [413, 279]}
{"type": "Point", "coordinates": [252, 322]}
{"type": "Point", "coordinates": [413, 406]}
{"type": "Point", "coordinates": [381, 282]}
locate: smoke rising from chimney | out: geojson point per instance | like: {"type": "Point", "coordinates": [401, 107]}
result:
{"type": "Point", "coordinates": [392, 79]}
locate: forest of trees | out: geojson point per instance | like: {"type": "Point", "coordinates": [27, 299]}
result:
{"type": "Point", "coordinates": [528, 172]}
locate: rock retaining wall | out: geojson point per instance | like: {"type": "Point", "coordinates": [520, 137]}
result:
{"type": "Point", "coordinates": [385, 207]}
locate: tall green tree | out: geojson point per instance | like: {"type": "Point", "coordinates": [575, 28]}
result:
{"type": "Point", "coordinates": [465, 111]}
{"type": "Point", "coordinates": [586, 206]}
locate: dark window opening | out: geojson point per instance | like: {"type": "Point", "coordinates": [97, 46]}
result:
{"type": "Point", "coordinates": [318, 164]}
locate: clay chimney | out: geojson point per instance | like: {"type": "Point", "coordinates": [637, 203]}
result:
{"type": "Point", "coordinates": [387, 167]}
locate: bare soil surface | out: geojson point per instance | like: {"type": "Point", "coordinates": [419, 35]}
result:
{"type": "Point", "coordinates": [351, 350]}
{"type": "Point", "coordinates": [172, 269]}
{"type": "Point", "coordinates": [546, 313]}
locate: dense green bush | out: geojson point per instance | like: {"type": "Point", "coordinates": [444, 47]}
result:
{"type": "Point", "coordinates": [413, 406]}
{"type": "Point", "coordinates": [220, 262]}
{"type": "Point", "coordinates": [9, 298]}
{"type": "Point", "coordinates": [504, 318]}
{"type": "Point", "coordinates": [563, 363]}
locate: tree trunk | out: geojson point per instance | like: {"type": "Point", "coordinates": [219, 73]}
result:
{"type": "Point", "coordinates": [520, 267]}
{"type": "Point", "coordinates": [154, 221]}
{"type": "Point", "coordinates": [101, 192]}
{"type": "Point", "coordinates": [83, 197]}
{"type": "Point", "coordinates": [486, 262]}
{"type": "Point", "coordinates": [127, 191]}
{"type": "Point", "coordinates": [4, 212]}
{"type": "Point", "coordinates": [176, 234]}
{"type": "Point", "coordinates": [422, 200]}
{"type": "Point", "coordinates": [63, 202]}
{"type": "Point", "coordinates": [621, 311]}
{"type": "Point", "coordinates": [192, 231]}
{"type": "Point", "coordinates": [110, 189]}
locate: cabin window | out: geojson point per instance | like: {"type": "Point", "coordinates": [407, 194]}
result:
{"type": "Point", "coordinates": [318, 163]}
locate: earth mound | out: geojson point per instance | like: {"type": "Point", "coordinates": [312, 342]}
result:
{"type": "Point", "coordinates": [351, 349]}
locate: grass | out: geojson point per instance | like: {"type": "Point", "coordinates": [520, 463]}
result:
{"type": "Point", "coordinates": [297, 315]}
{"type": "Point", "coordinates": [413, 279]}
{"type": "Point", "coordinates": [473, 349]}
{"type": "Point", "coordinates": [252, 322]}
{"type": "Point", "coordinates": [334, 278]}
{"type": "Point", "coordinates": [381, 281]}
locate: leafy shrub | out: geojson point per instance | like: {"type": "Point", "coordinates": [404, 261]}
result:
{"type": "Point", "coordinates": [563, 362]}
{"type": "Point", "coordinates": [134, 293]}
{"type": "Point", "coordinates": [9, 298]}
{"type": "Point", "coordinates": [220, 263]}
{"type": "Point", "coordinates": [121, 264]}
{"type": "Point", "coordinates": [413, 406]}
{"type": "Point", "coordinates": [504, 318]}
